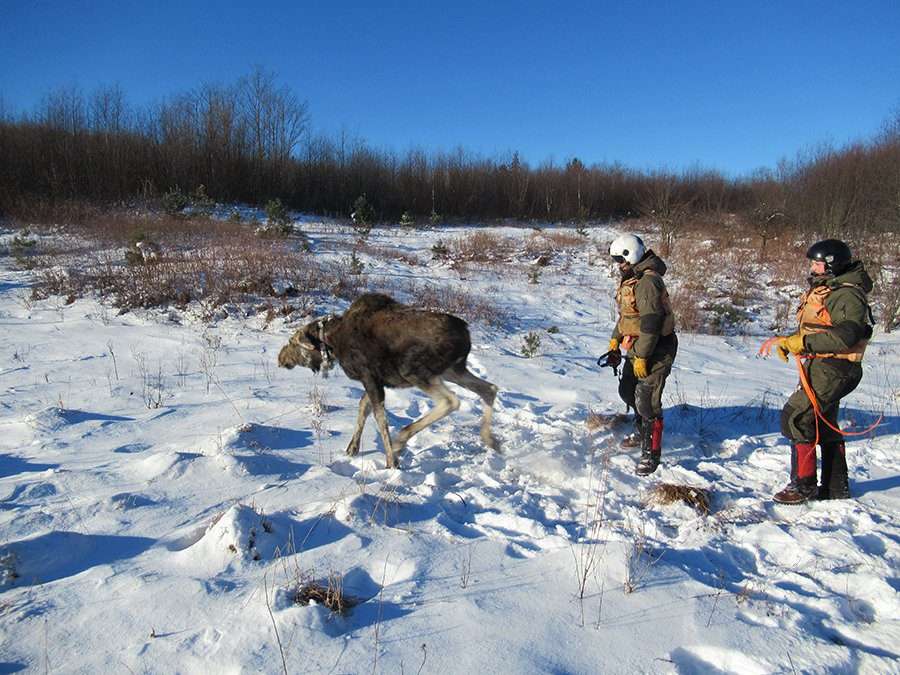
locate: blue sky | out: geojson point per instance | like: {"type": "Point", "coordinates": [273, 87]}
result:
{"type": "Point", "coordinates": [726, 85]}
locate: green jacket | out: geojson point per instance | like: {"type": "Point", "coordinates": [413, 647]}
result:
{"type": "Point", "coordinates": [657, 322]}
{"type": "Point", "coordinates": [849, 309]}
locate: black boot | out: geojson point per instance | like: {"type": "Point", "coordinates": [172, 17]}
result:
{"type": "Point", "coordinates": [651, 446]}
{"type": "Point", "coordinates": [835, 484]}
{"type": "Point", "coordinates": [633, 440]}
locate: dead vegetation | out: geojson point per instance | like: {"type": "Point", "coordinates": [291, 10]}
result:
{"type": "Point", "coordinates": [387, 253]}
{"type": "Point", "coordinates": [140, 259]}
{"type": "Point", "coordinates": [483, 247]}
{"type": "Point", "coordinates": [670, 493]}
{"type": "Point", "coordinates": [328, 593]}
{"type": "Point", "coordinates": [473, 307]}
{"type": "Point", "coordinates": [723, 277]}
{"type": "Point", "coordinates": [719, 286]}
{"type": "Point", "coordinates": [604, 421]}
{"type": "Point", "coordinates": [487, 248]}
{"type": "Point", "coordinates": [235, 272]}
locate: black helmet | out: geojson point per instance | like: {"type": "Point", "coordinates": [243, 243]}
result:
{"type": "Point", "coordinates": [833, 252]}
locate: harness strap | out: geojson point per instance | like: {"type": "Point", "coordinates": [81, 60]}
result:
{"type": "Point", "coordinates": [327, 356]}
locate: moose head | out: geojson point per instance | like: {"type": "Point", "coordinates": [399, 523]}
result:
{"type": "Point", "coordinates": [307, 348]}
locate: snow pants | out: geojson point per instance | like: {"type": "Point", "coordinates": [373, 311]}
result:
{"type": "Point", "coordinates": [831, 380]}
{"type": "Point", "coordinates": [645, 396]}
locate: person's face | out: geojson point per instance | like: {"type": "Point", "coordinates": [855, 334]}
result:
{"type": "Point", "coordinates": [623, 264]}
{"type": "Point", "coordinates": [817, 267]}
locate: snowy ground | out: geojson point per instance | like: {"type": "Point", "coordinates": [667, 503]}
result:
{"type": "Point", "coordinates": [164, 488]}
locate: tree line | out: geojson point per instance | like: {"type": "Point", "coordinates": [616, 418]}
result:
{"type": "Point", "coordinates": [251, 141]}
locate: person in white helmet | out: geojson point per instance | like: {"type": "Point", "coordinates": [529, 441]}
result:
{"type": "Point", "coordinates": [646, 331]}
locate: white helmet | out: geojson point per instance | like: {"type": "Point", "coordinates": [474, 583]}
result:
{"type": "Point", "coordinates": [628, 247]}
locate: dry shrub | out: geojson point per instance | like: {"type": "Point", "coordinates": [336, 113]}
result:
{"type": "Point", "coordinates": [483, 247]}
{"type": "Point", "coordinates": [689, 283]}
{"type": "Point", "coordinates": [547, 242]}
{"type": "Point", "coordinates": [473, 307]}
{"type": "Point", "coordinates": [330, 594]}
{"type": "Point", "coordinates": [119, 226]}
{"type": "Point", "coordinates": [669, 493]}
{"type": "Point", "coordinates": [389, 254]}
{"type": "Point", "coordinates": [687, 306]}
{"type": "Point", "coordinates": [32, 211]}
{"type": "Point", "coordinates": [717, 282]}
{"type": "Point", "coordinates": [604, 421]}
{"type": "Point", "coordinates": [234, 270]}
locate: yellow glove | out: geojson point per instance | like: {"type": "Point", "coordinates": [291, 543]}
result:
{"type": "Point", "coordinates": [793, 344]}
{"type": "Point", "coordinates": [613, 345]}
{"type": "Point", "coordinates": [640, 368]}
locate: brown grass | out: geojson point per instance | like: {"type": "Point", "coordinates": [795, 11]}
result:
{"type": "Point", "coordinates": [717, 276]}
{"type": "Point", "coordinates": [330, 594]}
{"type": "Point", "coordinates": [604, 421]}
{"type": "Point", "coordinates": [119, 226]}
{"type": "Point", "coordinates": [669, 493]}
{"type": "Point", "coordinates": [387, 253]}
{"type": "Point", "coordinates": [550, 241]}
{"type": "Point", "coordinates": [473, 307]}
{"type": "Point", "coordinates": [483, 247]}
{"type": "Point", "coordinates": [234, 270]}
{"type": "Point", "coordinates": [215, 263]}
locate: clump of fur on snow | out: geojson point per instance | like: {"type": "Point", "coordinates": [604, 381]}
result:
{"type": "Point", "coordinates": [669, 493]}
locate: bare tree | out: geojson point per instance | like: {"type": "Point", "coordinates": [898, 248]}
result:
{"type": "Point", "coordinates": [768, 215]}
{"type": "Point", "coordinates": [660, 201]}
{"type": "Point", "coordinates": [277, 119]}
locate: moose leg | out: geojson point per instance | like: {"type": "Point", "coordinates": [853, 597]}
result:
{"type": "Point", "coordinates": [375, 394]}
{"type": "Point", "coordinates": [485, 390]}
{"type": "Point", "coordinates": [364, 409]}
{"type": "Point", "coordinates": [445, 402]}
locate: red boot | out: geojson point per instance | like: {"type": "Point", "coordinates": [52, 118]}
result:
{"type": "Point", "coordinates": [651, 447]}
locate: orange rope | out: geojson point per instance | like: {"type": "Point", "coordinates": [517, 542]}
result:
{"type": "Point", "coordinates": [811, 395]}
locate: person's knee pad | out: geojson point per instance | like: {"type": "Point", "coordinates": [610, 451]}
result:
{"type": "Point", "coordinates": [644, 402]}
{"type": "Point", "coordinates": [794, 427]}
{"type": "Point", "coordinates": [786, 413]}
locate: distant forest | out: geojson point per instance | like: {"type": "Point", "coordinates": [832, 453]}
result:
{"type": "Point", "coordinates": [251, 141]}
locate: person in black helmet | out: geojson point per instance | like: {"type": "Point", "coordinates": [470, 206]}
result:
{"type": "Point", "coordinates": [834, 326]}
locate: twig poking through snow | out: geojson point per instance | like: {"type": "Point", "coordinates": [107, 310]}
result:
{"type": "Point", "coordinates": [274, 625]}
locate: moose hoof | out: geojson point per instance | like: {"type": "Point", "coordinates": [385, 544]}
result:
{"type": "Point", "coordinates": [352, 450]}
{"type": "Point", "coordinates": [491, 442]}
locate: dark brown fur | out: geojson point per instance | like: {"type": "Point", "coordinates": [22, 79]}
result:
{"type": "Point", "coordinates": [382, 343]}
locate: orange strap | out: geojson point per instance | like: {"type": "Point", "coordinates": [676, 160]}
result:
{"type": "Point", "coordinates": [811, 395]}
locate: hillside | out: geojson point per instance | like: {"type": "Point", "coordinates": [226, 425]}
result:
{"type": "Point", "coordinates": [166, 491]}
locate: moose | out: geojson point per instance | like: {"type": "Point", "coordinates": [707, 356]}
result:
{"type": "Point", "coordinates": [383, 343]}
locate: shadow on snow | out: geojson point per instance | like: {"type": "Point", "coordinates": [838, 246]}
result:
{"type": "Point", "coordinates": [57, 555]}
